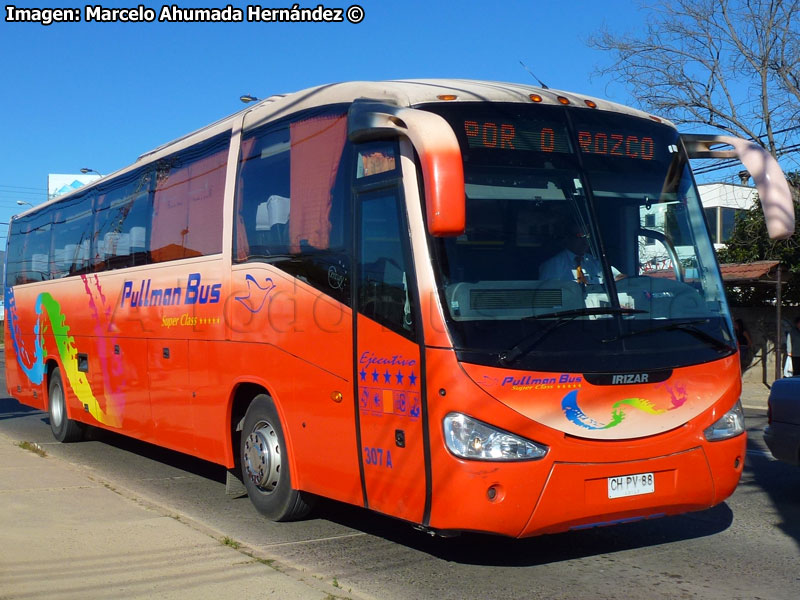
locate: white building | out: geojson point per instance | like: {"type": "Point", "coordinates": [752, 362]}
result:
{"type": "Point", "coordinates": [720, 203]}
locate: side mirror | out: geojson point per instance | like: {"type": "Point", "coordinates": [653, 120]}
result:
{"type": "Point", "coordinates": [773, 190]}
{"type": "Point", "coordinates": [439, 155]}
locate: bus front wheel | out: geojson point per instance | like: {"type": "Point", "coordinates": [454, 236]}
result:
{"type": "Point", "coordinates": [265, 464]}
{"type": "Point", "coordinates": [64, 429]}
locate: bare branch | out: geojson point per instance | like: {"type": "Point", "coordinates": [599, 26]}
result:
{"type": "Point", "coordinates": [729, 64]}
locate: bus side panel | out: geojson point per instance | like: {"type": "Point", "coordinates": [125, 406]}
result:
{"type": "Point", "coordinates": [160, 310]}
{"type": "Point", "coordinates": [170, 396]}
{"type": "Point", "coordinates": [104, 370]}
{"type": "Point", "coordinates": [18, 383]}
{"type": "Point", "coordinates": [212, 371]}
{"type": "Point", "coordinates": [129, 378]}
{"type": "Point", "coordinates": [215, 370]}
{"type": "Point", "coordinates": [20, 348]}
{"type": "Point", "coordinates": [323, 429]}
{"type": "Point", "coordinates": [71, 322]}
{"type": "Point", "coordinates": [299, 341]}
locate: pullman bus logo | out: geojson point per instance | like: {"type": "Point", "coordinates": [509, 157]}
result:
{"type": "Point", "coordinates": [195, 293]}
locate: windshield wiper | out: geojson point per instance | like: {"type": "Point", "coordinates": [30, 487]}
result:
{"type": "Point", "coordinates": [689, 327]}
{"type": "Point", "coordinates": [564, 316]}
{"type": "Point", "coordinates": [582, 312]}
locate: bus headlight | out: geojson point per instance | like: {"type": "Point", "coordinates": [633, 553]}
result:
{"type": "Point", "coordinates": [730, 425]}
{"type": "Point", "coordinates": [469, 438]}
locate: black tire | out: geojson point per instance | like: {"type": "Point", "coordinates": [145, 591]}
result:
{"type": "Point", "coordinates": [64, 429]}
{"type": "Point", "coordinates": [265, 464]}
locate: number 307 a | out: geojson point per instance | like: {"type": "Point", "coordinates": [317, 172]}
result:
{"type": "Point", "coordinates": [376, 457]}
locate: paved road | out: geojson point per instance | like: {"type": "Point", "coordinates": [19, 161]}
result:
{"type": "Point", "coordinates": [746, 548]}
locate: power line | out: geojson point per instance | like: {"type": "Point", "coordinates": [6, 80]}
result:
{"type": "Point", "coordinates": [780, 131]}
{"type": "Point", "coordinates": [23, 192]}
{"type": "Point", "coordinates": [731, 162]}
{"type": "Point", "coordinates": [19, 187]}
{"type": "Point", "coordinates": [7, 189]}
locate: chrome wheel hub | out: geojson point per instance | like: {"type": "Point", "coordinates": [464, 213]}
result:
{"type": "Point", "coordinates": [57, 406]}
{"type": "Point", "coordinates": [262, 457]}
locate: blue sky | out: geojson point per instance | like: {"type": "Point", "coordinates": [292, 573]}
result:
{"type": "Point", "coordinates": [99, 94]}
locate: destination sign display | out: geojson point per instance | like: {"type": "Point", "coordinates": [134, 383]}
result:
{"type": "Point", "coordinates": [523, 135]}
{"type": "Point", "coordinates": [620, 144]}
{"type": "Point", "coordinates": [543, 136]}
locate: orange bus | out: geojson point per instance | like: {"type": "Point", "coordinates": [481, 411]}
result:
{"type": "Point", "coordinates": [467, 305]}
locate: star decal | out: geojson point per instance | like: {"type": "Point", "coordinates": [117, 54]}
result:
{"type": "Point", "coordinates": [387, 376]}
{"type": "Point", "coordinates": [363, 374]}
{"type": "Point", "coordinates": [399, 376]}
{"type": "Point", "coordinates": [412, 378]}
{"type": "Point", "coordinates": [375, 376]}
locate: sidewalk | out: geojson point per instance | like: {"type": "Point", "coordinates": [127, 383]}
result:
{"type": "Point", "coordinates": [66, 535]}
{"type": "Point", "coordinates": [754, 395]}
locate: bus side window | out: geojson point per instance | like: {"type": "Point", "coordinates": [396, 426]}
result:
{"type": "Point", "coordinates": [122, 212]}
{"type": "Point", "coordinates": [15, 257]}
{"type": "Point", "coordinates": [374, 159]}
{"type": "Point", "coordinates": [187, 202]}
{"type": "Point", "coordinates": [292, 201]}
{"type": "Point", "coordinates": [33, 261]}
{"type": "Point", "coordinates": [72, 233]}
{"type": "Point", "coordinates": [262, 196]}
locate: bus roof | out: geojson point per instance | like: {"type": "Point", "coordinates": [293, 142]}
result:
{"type": "Point", "coordinates": [403, 93]}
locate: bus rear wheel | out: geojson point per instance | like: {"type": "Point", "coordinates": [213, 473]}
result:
{"type": "Point", "coordinates": [64, 429]}
{"type": "Point", "coordinates": [265, 464]}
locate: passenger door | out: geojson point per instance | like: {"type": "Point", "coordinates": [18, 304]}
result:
{"type": "Point", "coordinates": [387, 358]}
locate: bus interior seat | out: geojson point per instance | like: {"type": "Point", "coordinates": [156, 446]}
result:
{"type": "Point", "coordinates": [110, 243]}
{"type": "Point", "coordinates": [70, 254]}
{"type": "Point", "coordinates": [99, 251]}
{"type": "Point", "coordinates": [271, 235]}
{"type": "Point", "coordinates": [123, 245]}
{"type": "Point", "coordinates": [60, 263]}
{"type": "Point", "coordinates": [137, 239]}
{"type": "Point", "coordinates": [40, 266]}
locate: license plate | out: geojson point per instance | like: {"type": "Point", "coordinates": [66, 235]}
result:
{"type": "Point", "coordinates": [631, 485]}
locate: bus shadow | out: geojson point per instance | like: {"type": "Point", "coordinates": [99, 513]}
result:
{"type": "Point", "coordinates": [490, 550]}
{"type": "Point", "coordinates": [171, 458]}
{"type": "Point", "coordinates": [11, 409]}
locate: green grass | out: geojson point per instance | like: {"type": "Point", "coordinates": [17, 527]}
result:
{"type": "Point", "coordinates": [33, 447]}
{"type": "Point", "coordinates": [231, 543]}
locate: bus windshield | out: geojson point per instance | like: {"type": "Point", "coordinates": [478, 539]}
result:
{"type": "Point", "coordinates": [585, 246]}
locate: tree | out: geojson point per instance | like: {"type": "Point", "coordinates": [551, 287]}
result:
{"type": "Point", "coordinates": [749, 242]}
{"type": "Point", "coordinates": [733, 65]}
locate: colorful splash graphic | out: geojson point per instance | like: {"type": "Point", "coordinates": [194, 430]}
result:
{"type": "Point", "coordinates": [106, 409]}
{"type": "Point", "coordinates": [575, 414]}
